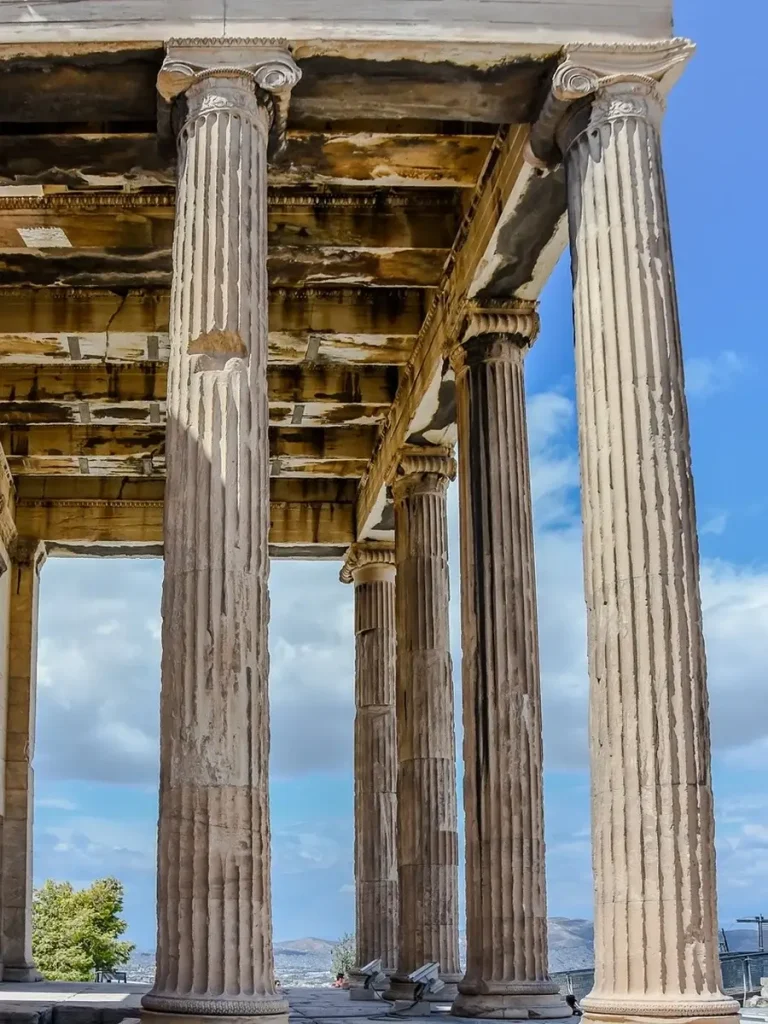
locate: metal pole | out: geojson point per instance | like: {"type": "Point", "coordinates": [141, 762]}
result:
{"type": "Point", "coordinates": [744, 963]}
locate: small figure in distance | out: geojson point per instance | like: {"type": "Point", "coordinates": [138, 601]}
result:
{"type": "Point", "coordinates": [571, 1000]}
{"type": "Point", "coordinates": [339, 982]}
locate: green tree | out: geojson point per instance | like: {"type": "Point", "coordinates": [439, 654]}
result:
{"type": "Point", "coordinates": [76, 932]}
{"type": "Point", "coordinates": [343, 957]}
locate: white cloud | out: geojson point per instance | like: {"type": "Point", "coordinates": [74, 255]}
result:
{"type": "Point", "coordinates": [99, 667]}
{"type": "Point", "coordinates": [742, 808]}
{"type": "Point", "coordinates": [742, 860]}
{"type": "Point", "coordinates": [129, 740]}
{"type": "Point", "coordinates": [749, 757]}
{"type": "Point", "coordinates": [312, 659]}
{"type": "Point", "coordinates": [715, 525]}
{"type": "Point", "coordinates": [296, 850]}
{"type": "Point", "coordinates": [107, 628]}
{"type": "Point", "coordinates": [554, 461]}
{"type": "Point", "coordinates": [705, 376]}
{"type": "Point", "coordinates": [98, 846]}
{"type": "Point", "coordinates": [56, 804]}
{"type": "Point", "coordinates": [98, 672]}
{"type": "Point", "coordinates": [735, 608]}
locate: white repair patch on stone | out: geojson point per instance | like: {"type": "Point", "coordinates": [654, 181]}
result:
{"type": "Point", "coordinates": [30, 14]}
{"type": "Point", "coordinates": [45, 238]}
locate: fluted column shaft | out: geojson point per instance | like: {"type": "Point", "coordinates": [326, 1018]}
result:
{"type": "Point", "coordinates": [655, 917]}
{"type": "Point", "coordinates": [214, 950]}
{"type": "Point", "coordinates": [506, 975]}
{"type": "Point", "coordinates": [373, 571]}
{"type": "Point", "coordinates": [427, 828]}
{"type": "Point", "coordinates": [27, 558]}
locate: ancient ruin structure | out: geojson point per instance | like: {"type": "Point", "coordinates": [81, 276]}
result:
{"type": "Point", "coordinates": [263, 267]}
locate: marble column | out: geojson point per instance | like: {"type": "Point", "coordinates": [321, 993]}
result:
{"type": "Point", "coordinates": [27, 558]}
{"type": "Point", "coordinates": [506, 974]}
{"type": "Point", "coordinates": [656, 951]}
{"type": "Point", "coordinates": [427, 819]}
{"type": "Point", "coordinates": [214, 948]}
{"type": "Point", "coordinates": [372, 569]}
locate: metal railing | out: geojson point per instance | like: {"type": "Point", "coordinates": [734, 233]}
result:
{"type": "Point", "coordinates": [110, 976]}
{"type": "Point", "coordinates": [741, 976]}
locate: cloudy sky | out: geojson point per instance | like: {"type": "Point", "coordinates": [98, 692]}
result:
{"type": "Point", "coordinates": [97, 746]}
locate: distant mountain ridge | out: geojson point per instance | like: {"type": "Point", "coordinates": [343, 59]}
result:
{"type": "Point", "coordinates": [571, 945]}
{"type": "Point", "coordinates": [307, 961]}
{"type": "Point", "coordinates": [306, 945]}
{"type": "Point", "coordinates": [741, 940]}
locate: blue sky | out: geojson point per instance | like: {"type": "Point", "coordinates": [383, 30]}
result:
{"type": "Point", "coordinates": [96, 758]}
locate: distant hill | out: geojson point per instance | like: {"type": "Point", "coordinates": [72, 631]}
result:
{"type": "Point", "coordinates": [307, 961]}
{"type": "Point", "coordinates": [307, 945]}
{"type": "Point", "coordinates": [571, 944]}
{"type": "Point", "coordinates": [741, 940]}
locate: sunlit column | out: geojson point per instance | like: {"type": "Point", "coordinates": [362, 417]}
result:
{"type": "Point", "coordinates": [27, 558]}
{"type": "Point", "coordinates": [506, 974]}
{"type": "Point", "coordinates": [656, 951]}
{"type": "Point", "coordinates": [214, 949]}
{"type": "Point", "coordinates": [372, 569]}
{"type": "Point", "coordinates": [427, 819]}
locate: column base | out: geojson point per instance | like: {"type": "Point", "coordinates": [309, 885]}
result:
{"type": "Point", "coordinates": [26, 974]}
{"type": "Point", "coordinates": [632, 1018]}
{"type": "Point", "coordinates": [153, 1017]}
{"type": "Point", "coordinates": [157, 1008]}
{"type": "Point", "coordinates": [521, 1001]}
{"type": "Point", "coordinates": [654, 1010]}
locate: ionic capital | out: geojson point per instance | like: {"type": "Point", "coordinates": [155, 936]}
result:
{"type": "Point", "coordinates": [29, 551]}
{"type": "Point", "coordinates": [602, 83]}
{"type": "Point", "coordinates": [427, 469]}
{"type": "Point", "coordinates": [238, 74]}
{"type": "Point", "coordinates": [494, 332]}
{"type": "Point", "coordinates": [7, 503]}
{"type": "Point", "coordinates": [366, 555]}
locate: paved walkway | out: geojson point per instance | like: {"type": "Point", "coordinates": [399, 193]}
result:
{"type": "Point", "coordinates": [68, 1002]}
{"type": "Point", "coordinates": [333, 1006]}
{"type": "Point", "coordinates": [85, 1003]}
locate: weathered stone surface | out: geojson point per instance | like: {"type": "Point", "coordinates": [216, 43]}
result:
{"type": "Point", "coordinates": [372, 568]}
{"type": "Point", "coordinates": [214, 951]}
{"type": "Point", "coordinates": [656, 946]}
{"type": "Point", "coordinates": [506, 974]}
{"type": "Point", "coordinates": [18, 965]}
{"type": "Point", "coordinates": [411, 19]}
{"type": "Point", "coordinates": [427, 828]}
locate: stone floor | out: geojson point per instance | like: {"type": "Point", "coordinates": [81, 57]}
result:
{"type": "Point", "coordinates": [86, 1003]}
{"type": "Point", "coordinates": [68, 1002]}
{"type": "Point", "coordinates": [333, 1006]}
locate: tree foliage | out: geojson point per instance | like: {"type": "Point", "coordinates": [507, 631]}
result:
{"type": "Point", "coordinates": [76, 932]}
{"type": "Point", "coordinates": [343, 957]}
